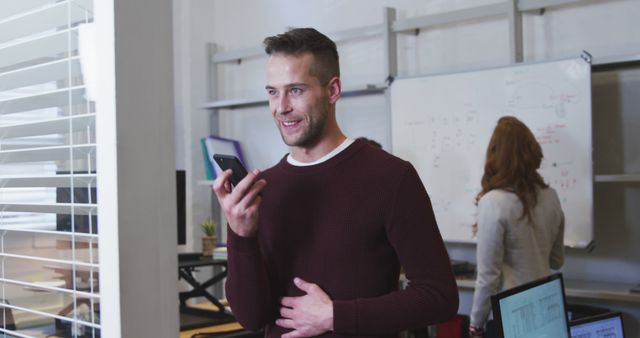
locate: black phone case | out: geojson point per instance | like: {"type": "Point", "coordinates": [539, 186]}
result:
{"type": "Point", "coordinates": [231, 162]}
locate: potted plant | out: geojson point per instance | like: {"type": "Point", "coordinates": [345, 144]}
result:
{"type": "Point", "coordinates": [209, 238]}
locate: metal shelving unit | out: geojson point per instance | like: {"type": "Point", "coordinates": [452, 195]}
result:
{"type": "Point", "coordinates": [388, 30]}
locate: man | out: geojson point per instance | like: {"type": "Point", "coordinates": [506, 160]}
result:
{"type": "Point", "coordinates": [317, 241]}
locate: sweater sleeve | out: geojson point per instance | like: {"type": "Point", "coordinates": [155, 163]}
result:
{"type": "Point", "coordinates": [556, 259]}
{"type": "Point", "coordinates": [431, 295]}
{"type": "Point", "coordinates": [490, 255]}
{"type": "Point", "coordinates": [247, 285]}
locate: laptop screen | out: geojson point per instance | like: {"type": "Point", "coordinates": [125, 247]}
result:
{"type": "Point", "coordinates": [605, 325]}
{"type": "Point", "coordinates": [536, 309]}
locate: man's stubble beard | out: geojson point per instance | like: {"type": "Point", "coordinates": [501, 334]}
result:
{"type": "Point", "coordinates": [311, 135]}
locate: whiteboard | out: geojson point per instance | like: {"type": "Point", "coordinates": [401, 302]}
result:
{"type": "Point", "coordinates": [442, 125]}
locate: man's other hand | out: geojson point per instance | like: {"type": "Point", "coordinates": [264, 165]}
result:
{"type": "Point", "coordinates": [309, 315]}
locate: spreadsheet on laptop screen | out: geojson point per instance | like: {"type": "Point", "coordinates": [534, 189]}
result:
{"type": "Point", "coordinates": [599, 327]}
{"type": "Point", "coordinates": [536, 310]}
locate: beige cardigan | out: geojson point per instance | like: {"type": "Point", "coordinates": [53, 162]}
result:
{"type": "Point", "coordinates": [512, 251]}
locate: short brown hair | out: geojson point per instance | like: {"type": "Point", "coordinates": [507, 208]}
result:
{"type": "Point", "coordinates": [513, 158]}
{"type": "Point", "coordinates": [307, 40]}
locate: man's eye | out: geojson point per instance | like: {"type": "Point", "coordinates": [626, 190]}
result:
{"type": "Point", "coordinates": [272, 92]}
{"type": "Point", "coordinates": [296, 91]}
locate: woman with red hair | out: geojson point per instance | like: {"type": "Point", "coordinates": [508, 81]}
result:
{"type": "Point", "coordinates": [520, 225]}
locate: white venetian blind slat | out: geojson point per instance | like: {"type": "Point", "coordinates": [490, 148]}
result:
{"type": "Point", "coordinates": [50, 232]}
{"type": "Point", "coordinates": [45, 287]}
{"type": "Point", "coordinates": [77, 265]}
{"type": "Point", "coordinates": [41, 19]}
{"type": "Point", "coordinates": [44, 314]}
{"type": "Point", "coordinates": [12, 8]}
{"type": "Point", "coordinates": [42, 48]}
{"type": "Point", "coordinates": [79, 180]}
{"type": "Point", "coordinates": [50, 99]}
{"type": "Point", "coordinates": [44, 154]}
{"type": "Point", "coordinates": [41, 73]}
{"type": "Point", "coordinates": [57, 208]}
{"type": "Point", "coordinates": [50, 126]}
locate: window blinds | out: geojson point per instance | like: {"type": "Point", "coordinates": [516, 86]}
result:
{"type": "Point", "coordinates": [49, 262]}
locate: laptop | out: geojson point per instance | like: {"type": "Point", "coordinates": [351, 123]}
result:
{"type": "Point", "coordinates": [607, 325]}
{"type": "Point", "coordinates": [535, 309]}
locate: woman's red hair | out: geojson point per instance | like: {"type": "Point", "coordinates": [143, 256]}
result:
{"type": "Point", "coordinates": [513, 158]}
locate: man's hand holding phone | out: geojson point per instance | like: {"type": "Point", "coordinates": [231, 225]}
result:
{"type": "Point", "coordinates": [240, 203]}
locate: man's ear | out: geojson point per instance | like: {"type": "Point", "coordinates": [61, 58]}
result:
{"type": "Point", "coordinates": [334, 88]}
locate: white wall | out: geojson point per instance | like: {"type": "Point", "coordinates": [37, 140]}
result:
{"type": "Point", "coordinates": [603, 28]}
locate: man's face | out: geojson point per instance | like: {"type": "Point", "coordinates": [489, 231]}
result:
{"type": "Point", "coordinates": [298, 101]}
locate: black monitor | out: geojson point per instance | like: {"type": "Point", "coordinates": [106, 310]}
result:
{"type": "Point", "coordinates": [81, 195]}
{"type": "Point", "coordinates": [182, 206]}
{"type": "Point", "coordinates": [534, 309]}
{"type": "Point", "coordinates": [603, 325]}
{"type": "Point", "coordinates": [86, 224]}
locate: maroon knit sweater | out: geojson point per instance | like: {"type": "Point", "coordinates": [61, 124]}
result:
{"type": "Point", "coordinates": [346, 224]}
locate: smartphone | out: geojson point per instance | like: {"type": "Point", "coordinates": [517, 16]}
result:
{"type": "Point", "coordinates": [231, 162]}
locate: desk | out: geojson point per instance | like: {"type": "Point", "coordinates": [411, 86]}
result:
{"type": "Point", "coordinates": [573, 288]}
{"type": "Point", "coordinates": [579, 289]}
{"type": "Point", "coordinates": [192, 317]}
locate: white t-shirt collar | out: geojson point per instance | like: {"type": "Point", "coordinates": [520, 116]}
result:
{"type": "Point", "coordinates": [324, 158]}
